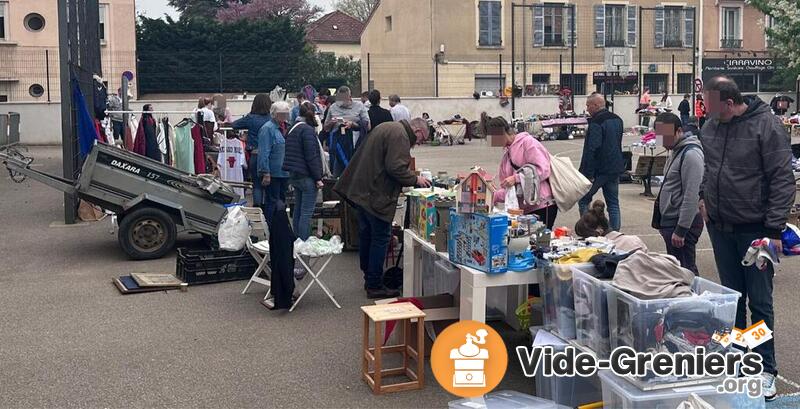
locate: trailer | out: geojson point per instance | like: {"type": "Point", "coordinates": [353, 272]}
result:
{"type": "Point", "coordinates": [152, 201]}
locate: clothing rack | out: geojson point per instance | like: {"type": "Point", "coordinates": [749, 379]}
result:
{"type": "Point", "coordinates": [150, 112]}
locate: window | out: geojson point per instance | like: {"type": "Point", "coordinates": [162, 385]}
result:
{"type": "Point", "coordinates": [731, 36]}
{"type": "Point", "coordinates": [580, 83]}
{"type": "Point", "coordinates": [553, 25]}
{"type": "Point", "coordinates": [768, 23]}
{"type": "Point", "coordinates": [388, 23]}
{"type": "Point", "coordinates": [102, 21]}
{"type": "Point", "coordinates": [3, 6]}
{"type": "Point", "coordinates": [489, 23]}
{"type": "Point", "coordinates": [3, 98]}
{"type": "Point", "coordinates": [489, 83]}
{"type": "Point", "coordinates": [541, 79]}
{"type": "Point", "coordinates": [685, 83]}
{"type": "Point", "coordinates": [36, 90]}
{"type": "Point", "coordinates": [615, 25]}
{"type": "Point", "coordinates": [746, 82]}
{"type": "Point", "coordinates": [673, 16]}
{"type": "Point", "coordinates": [34, 22]}
{"type": "Point", "coordinates": [656, 82]}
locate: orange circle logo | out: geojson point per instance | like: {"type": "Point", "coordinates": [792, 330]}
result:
{"type": "Point", "coordinates": [469, 359]}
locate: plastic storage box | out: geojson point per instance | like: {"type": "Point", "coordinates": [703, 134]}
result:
{"type": "Point", "coordinates": [618, 394]}
{"type": "Point", "coordinates": [504, 400]}
{"type": "Point", "coordinates": [591, 313]}
{"type": "Point", "coordinates": [438, 276]}
{"type": "Point", "coordinates": [571, 391]}
{"type": "Point", "coordinates": [555, 281]}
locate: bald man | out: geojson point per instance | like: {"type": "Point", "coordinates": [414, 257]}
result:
{"type": "Point", "coordinates": [602, 160]}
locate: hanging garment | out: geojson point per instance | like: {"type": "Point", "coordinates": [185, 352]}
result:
{"type": "Point", "coordinates": [199, 151]}
{"type": "Point", "coordinates": [184, 148]}
{"type": "Point", "coordinates": [281, 245]}
{"type": "Point", "coordinates": [231, 161]}
{"type": "Point", "coordinates": [166, 141]}
{"type": "Point", "coordinates": [130, 131]}
{"type": "Point", "coordinates": [87, 133]}
{"type": "Point", "coordinates": [651, 276]}
{"type": "Point", "coordinates": [101, 134]}
{"type": "Point", "coordinates": [146, 142]}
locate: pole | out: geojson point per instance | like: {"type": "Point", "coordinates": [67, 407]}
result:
{"type": "Point", "coordinates": [672, 80]}
{"type": "Point", "coordinates": [47, 72]}
{"type": "Point", "coordinates": [220, 72]}
{"type": "Point", "coordinates": [513, 65]}
{"type": "Point", "coordinates": [613, 89]}
{"type": "Point", "coordinates": [639, 77]}
{"type": "Point", "coordinates": [436, 73]}
{"type": "Point", "coordinates": [500, 73]}
{"type": "Point", "coordinates": [572, 55]}
{"type": "Point", "coordinates": [695, 55]}
{"type": "Point", "coordinates": [524, 49]}
{"type": "Point", "coordinates": [560, 70]}
{"type": "Point", "coordinates": [68, 136]}
{"type": "Point", "coordinates": [369, 84]}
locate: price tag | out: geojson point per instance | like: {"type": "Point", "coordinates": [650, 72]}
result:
{"type": "Point", "coordinates": [737, 338]}
{"type": "Point", "coordinates": [757, 334]}
{"type": "Point", "coordinates": [722, 339]}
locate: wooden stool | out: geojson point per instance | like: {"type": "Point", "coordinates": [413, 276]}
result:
{"type": "Point", "coordinates": [403, 313]}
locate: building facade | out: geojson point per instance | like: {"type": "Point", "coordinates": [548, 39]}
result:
{"type": "Point", "coordinates": [465, 41]}
{"type": "Point", "coordinates": [337, 33]}
{"type": "Point", "coordinates": [29, 60]}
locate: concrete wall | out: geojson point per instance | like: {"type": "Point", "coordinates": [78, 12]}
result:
{"type": "Point", "coordinates": [40, 124]}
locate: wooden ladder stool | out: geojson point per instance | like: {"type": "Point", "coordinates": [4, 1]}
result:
{"type": "Point", "coordinates": [404, 313]}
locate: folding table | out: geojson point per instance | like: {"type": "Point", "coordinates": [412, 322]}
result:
{"type": "Point", "coordinates": [311, 267]}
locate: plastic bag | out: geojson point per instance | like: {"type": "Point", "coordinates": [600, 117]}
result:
{"type": "Point", "coordinates": [234, 230]}
{"type": "Point", "coordinates": [512, 203]}
{"type": "Point", "coordinates": [567, 183]}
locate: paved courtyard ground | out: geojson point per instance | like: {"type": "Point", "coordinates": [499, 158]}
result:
{"type": "Point", "coordinates": [69, 339]}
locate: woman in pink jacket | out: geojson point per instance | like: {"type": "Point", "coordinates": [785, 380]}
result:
{"type": "Point", "coordinates": [523, 149]}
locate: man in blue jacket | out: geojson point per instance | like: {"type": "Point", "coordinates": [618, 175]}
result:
{"type": "Point", "coordinates": [602, 160]}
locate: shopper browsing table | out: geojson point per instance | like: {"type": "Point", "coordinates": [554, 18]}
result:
{"type": "Point", "coordinates": [680, 223]}
{"type": "Point", "coordinates": [252, 122]}
{"type": "Point", "coordinates": [524, 151]}
{"type": "Point", "coordinates": [602, 160]}
{"type": "Point", "coordinates": [271, 153]}
{"type": "Point", "coordinates": [746, 194]}
{"type": "Point", "coordinates": [372, 183]}
{"type": "Point", "coordinates": [304, 164]}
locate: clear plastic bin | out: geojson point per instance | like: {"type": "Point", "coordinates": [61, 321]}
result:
{"type": "Point", "coordinates": [504, 400]}
{"type": "Point", "coordinates": [448, 276]}
{"type": "Point", "coordinates": [555, 283]}
{"type": "Point", "coordinates": [428, 272]}
{"type": "Point", "coordinates": [591, 313]}
{"type": "Point", "coordinates": [565, 390]}
{"type": "Point", "coordinates": [671, 325]}
{"type": "Point", "coordinates": [618, 394]}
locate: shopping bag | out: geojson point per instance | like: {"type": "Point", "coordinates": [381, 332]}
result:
{"type": "Point", "coordinates": [512, 203]}
{"type": "Point", "coordinates": [568, 185]}
{"type": "Point", "coordinates": [233, 230]}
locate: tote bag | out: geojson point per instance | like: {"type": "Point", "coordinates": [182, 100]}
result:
{"type": "Point", "coordinates": [568, 185]}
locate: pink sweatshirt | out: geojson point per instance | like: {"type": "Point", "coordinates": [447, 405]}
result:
{"type": "Point", "coordinates": [523, 151]}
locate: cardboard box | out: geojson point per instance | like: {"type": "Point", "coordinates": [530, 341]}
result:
{"type": "Point", "coordinates": [479, 241]}
{"type": "Point", "coordinates": [330, 228]}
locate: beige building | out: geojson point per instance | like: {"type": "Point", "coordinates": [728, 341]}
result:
{"type": "Point", "coordinates": [735, 43]}
{"type": "Point", "coordinates": [404, 40]}
{"type": "Point", "coordinates": [337, 33]}
{"type": "Point", "coordinates": [29, 66]}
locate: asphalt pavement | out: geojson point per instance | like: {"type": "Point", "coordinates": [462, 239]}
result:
{"type": "Point", "coordinates": [68, 338]}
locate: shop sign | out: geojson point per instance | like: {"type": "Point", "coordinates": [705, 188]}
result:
{"type": "Point", "coordinates": [614, 76]}
{"type": "Point", "coordinates": [741, 65]}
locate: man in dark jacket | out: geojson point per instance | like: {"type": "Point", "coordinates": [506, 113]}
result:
{"type": "Point", "coordinates": [377, 114]}
{"type": "Point", "coordinates": [684, 108]}
{"type": "Point", "coordinates": [372, 183]}
{"type": "Point", "coordinates": [602, 160]}
{"type": "Point", "coordinates": [747, 191]}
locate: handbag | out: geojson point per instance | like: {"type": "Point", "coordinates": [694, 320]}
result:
{"type": "Point", "coordinates": [568, 185]}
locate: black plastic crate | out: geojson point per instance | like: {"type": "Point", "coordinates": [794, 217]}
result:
{"type": "Point", "coordinates": [199, 266]}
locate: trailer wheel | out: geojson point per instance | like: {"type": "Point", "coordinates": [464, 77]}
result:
{"type": "Point", "coordinates": [147, 233]}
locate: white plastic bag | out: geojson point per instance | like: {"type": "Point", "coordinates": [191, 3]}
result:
{"type": "Point", "coordinates": [512, 203]}
{"type": "Point", "coordinates": [567, 183]}
{"type": "Point", "coordinates": [233, 230]}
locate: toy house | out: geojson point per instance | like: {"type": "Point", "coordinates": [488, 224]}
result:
{"type": "Point", "coordinates": [475, 192]}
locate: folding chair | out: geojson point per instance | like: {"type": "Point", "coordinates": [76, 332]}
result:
{"type": "Point", "coordinates": [260, 249]}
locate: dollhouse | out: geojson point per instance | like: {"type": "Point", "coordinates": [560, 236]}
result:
{"type": "Point", "coordinates": [475, 192]}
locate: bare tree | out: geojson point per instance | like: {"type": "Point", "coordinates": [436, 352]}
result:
{"type": "Point", "coordinates": [300, 11]}
{"type": "Point", "coordinates": [360, 9]}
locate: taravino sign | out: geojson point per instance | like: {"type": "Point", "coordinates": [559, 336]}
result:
{"type": "Point", "coordinates": [742, 65]}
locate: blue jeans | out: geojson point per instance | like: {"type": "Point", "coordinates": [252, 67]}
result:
{"type": "Point", "coordinates": [305, 197]}
{"type": "Point", "coordinates": [258, 190]}
{"type": "Point", "coordinates": [684, 119]}
{"type": "Point", "coordinates": [756, 286]}
{"type": "Point", "coordinates": [373, 242]}
{"type": "Point", "coordinates": [610, 186]}
{"type": "Point", "coordinates": [276, 191]}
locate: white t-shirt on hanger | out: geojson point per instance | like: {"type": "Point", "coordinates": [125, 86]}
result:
{"type": "Point", "coordinates": [231, 162]}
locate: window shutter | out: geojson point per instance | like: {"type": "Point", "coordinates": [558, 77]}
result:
{"type": "Point", "coordinates": [483, 23]}
{"type": "Point", "coordinates": [631, 26]}
{"type": "Point", "coordinates": [659, 29]}
{"type": "Point", "coordinates": [538, 26]}
{"type": "Point", "coordinates": [688, 30]}
{"type": "Point", "coordinates": [496, 37]}
{"type": "Point", "coordinates": [599, 25]}
{"type": "Point", "coordinates": [571, 24]}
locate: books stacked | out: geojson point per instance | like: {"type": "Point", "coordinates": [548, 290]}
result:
{"type": "Point", "coordinates": [147, 282]}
